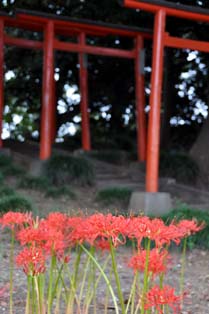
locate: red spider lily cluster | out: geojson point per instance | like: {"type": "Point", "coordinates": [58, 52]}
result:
{"type": "Point", "coordinates": [57, 234]}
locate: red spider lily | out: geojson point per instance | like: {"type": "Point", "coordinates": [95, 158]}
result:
{"type": "Point", "coordinates": [55, 243]}
{"type": "Point", "coordinates": [138, 227]}
{"type": "Point", "coordinates": [102, 244]}
{"type": "Point", "coordinates": [158, 261]}
{"type": "Point", "coordinates": [155, 229]}
{"type": "Point", "coordinates": [32, 236]}
{"type": "Point", "coordinates": [12, 219]}
{"type": "Point", "coordinates": [189, 227]}
{"type": "Point", "coordinates": [162, 234]}
{"type": "Point", "coordinates": [32, 260]}
{"type": "Point", "coordinates": [157, 297]}
{"type": "Point", "coordinates": [57, 220]}
{"type": "Point", "coordinates": [101, 226]}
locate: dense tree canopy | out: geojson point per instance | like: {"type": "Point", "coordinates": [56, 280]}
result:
{"type": "Point", "coordinates": [111, 81]}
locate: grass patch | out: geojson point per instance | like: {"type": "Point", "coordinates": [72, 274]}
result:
{"type": "Point", "coordinates": [34, 183]}
{"type": "Point", "coordinates": [179, 166]}
{"type": "Point", "coordinates": [114, 195]}
{"type": "Point", "coordinates": [56, 192]}
{"type": "Point", "coordinates": [62, 169]}
{"type": "Point", "coordinates": [15, 202]}
{"type": "Point", "coordinates": [201, 239]}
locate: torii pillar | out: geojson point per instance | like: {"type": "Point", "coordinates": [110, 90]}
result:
{"type": "Point", "coordinates": [85, 125]}
{"type": "Point", "coordinates": [47, 93]}
{"type": "Point", "coordinates": [140, 100]}
{"type": "Point", "coordinates": [150, 201]}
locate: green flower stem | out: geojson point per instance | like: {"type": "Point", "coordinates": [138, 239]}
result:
{"type": "Point", "coordinates": [57, 281]}
{"type": "Point", "coordinates": [34, 303]}
{"type": "Point", "coordinates": [107, 293]}
{"type": "Point", "coordinates": [72, 294]}
{"type": "Point", "coordinates": [69, 309]}
{"type": "Point", "coordinates": [131, 298]}
{"type": "Point", "coordinates": [41, 287]}
{"type": "Point", "coordinates": [183, 264]}
{"type": "Point", "coordinates": [11, 266]}
{"type": "Point", "coordinates": [50, 285]}
{"type": "Point", "coordinates": [117, 279]}
{"type": "Point", "coordinates": [92, 294]}
{"type": "Point", "coordinates": [105, 278]}
{"type": "Point", "coordinates": [37, 295]}
{"type": "Point", "coordinates": [27, 307]}
{"type": "Point", "coordinates": [86, 268]}
{"type": "Point", "coordinates": [58, 296]}
{"type": "Point", "coordinates": [146, 277]}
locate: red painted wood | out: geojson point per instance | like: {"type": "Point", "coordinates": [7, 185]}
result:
{"type": "Point", "coordinates": [47, 93]}
{"type": "Point", "coordinates": [39, 21]}
{"type": "Point", "coordinates": [169, 11]}
{"type": "Point", "coordinates": [24, 43]}
{"type": "Point", "coordinates": [183, 43]}
{"type": "Point", "coordinates": [140, 103]}
{"type": "Point", "coordinates": [1, 77]}
{"type": "Point", "coordinates": [113, 52]}
{"type": "Point", "coordinates": [155, 104]}
{"type": "Point", "coordinates": [83, 73]}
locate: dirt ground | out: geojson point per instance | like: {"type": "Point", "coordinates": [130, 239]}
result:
{"type": "Point", "coordinates": [196, 281]}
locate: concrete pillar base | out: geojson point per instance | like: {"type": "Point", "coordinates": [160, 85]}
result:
{"type": "Point", "coordinates": [155, 204]}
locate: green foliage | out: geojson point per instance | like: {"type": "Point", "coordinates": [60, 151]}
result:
{"type": "Point", "coordinates": [61, 169]}
{"type": "Point", "coordinates": [179, 166]}
{"type": "Point", "coordinates": [6, 191]}
{"type": "Point", "coordinates": [15, 203]}
{"type": "Point", "coordinates": [1, 177]}
{"type": "Point", "coordinates": [34, 183]}
{"type": "Point", "coordinates": [56, 192]}
{"type": "Point", "coordinates": [8, 168]}
{"type": "Point", "coordinates": [201, 239]}
{"type": "Point", "coordinates": [114, 195]}
{"type": "Point", "coordinates": [5, 160]}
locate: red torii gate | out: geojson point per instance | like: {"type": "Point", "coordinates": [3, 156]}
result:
{"type": "Point", "coordinates": [53, 25]}
{"type": "Point", "coordinates": [161, 39]}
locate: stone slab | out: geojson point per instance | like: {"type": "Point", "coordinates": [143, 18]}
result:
{"type": "Point", "coordinates": [147, 203]}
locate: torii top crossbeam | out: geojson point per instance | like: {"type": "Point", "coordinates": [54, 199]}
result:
{"type": "Point", "coordinates": [162, 39]}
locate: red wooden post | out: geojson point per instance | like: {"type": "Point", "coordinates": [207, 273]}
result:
{"type": "Point", "coordinates": [1, 77]}
{"type": "Point", "coordinates": [54, 111]}
{"type": "Point", "coordinates": [47, 93]}
{"type": "Point", "coordinates": [140, 101]}
{"type": "Point", "coordinates": [155, 103]}
{"type": "Point", "coordinates": [86, 144]}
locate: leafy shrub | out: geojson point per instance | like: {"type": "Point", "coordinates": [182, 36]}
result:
{"type": "Point", "coordinates": [62, 169]}
{"type": "Point", "coordinates": [114, 194]}
{"type": "Point", "coordinates": [1, 177]}
{"type": "Point", "coordinates": [15, 203]}
{"type": "Point", "coordinates": [13, 170]}
{"type": "Point", "coordinates": [201, 239]}
{"type": "Point", "coordinates": [7, 167]}
{"type": "Point", "coordinates": [56, 192]}
{"type": "Point", "coordinates": [6, 191]}
{"type": "Point", "coordinates": [5, 160]}
{"type": "Point", "coordinates": [179, 166]}
{"type": "Point", "coordinates": [34, 183]}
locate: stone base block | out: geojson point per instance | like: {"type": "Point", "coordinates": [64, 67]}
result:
{"type": "Point", "coordinates": [155, 204]}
